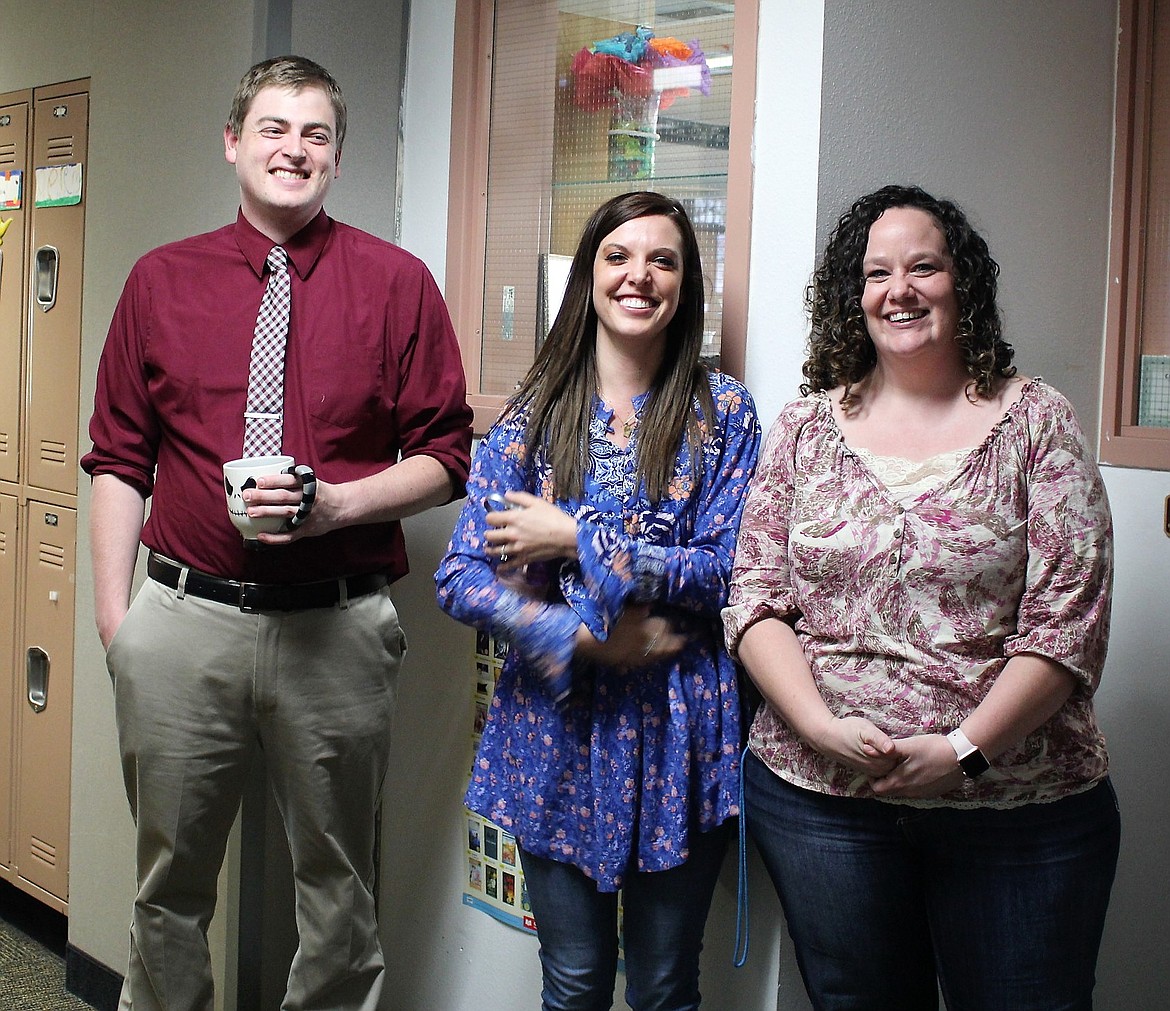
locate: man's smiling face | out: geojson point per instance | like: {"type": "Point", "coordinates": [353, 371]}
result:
{"type": "Point", "coordinates": [286, 157]}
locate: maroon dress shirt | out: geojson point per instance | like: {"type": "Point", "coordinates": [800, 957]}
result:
{"type": "Point", "coordinates": [372, 374]}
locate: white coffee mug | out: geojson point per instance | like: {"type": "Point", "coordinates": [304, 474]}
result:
{"type": "Point", "coordinates": [238, 477]}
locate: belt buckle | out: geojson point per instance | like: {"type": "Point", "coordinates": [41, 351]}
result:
{"type": "Point", "coordinates": [248, 593]}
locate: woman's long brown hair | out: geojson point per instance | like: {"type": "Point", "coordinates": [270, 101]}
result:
{"type": "Point", "coordinates": [558, 390]}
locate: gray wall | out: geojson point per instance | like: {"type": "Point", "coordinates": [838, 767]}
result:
{"type": "Point", "coordinates": [1134, 704]}
{"type": "Point", "coordinates": [1007, 109]}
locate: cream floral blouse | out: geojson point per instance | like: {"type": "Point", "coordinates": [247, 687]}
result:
{"type": "Point", "coordinates": [908, 609]}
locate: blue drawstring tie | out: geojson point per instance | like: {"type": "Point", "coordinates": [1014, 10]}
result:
{"type": "Point", "coordinates": [741, 896]}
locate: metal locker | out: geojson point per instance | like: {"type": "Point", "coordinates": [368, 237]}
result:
{"type": "Point", "coordinates": [44, 706]}
{"type": "Point", "coordinates": [53, 304]}
{"type": "Point", "coordinates": [43, 162]}
{"type": "Point", "coordinates": [14, 204]}
{"type": "Point", "coordinates": [9, 514]}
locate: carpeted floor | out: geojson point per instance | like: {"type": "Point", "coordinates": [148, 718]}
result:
{"type": "Point", "coordinates": [32, 956]}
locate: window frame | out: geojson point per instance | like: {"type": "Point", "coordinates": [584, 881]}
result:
{"type": "Point", "coordinates": [467, 200]}
{"type": "Point", "coordinates": [1124, 443]}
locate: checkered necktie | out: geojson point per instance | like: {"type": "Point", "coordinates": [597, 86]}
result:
{"type": "Point", "coordinates": [264, 414]}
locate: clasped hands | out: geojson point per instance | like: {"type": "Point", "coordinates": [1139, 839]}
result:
{"type": "Point", "coordinates": [914, 767]}
{"type": "Point", "coordinates": [636, 639]}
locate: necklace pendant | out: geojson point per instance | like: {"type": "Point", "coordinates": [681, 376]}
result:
{"type": "Point", "coordinates": [628, 424]}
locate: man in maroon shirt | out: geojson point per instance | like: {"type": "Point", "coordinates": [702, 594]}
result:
{"type": "Point", "coordinates": [294, 647]}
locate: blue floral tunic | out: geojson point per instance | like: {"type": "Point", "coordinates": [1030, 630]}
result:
{"type": "Point", "coordinates": [603, 768]}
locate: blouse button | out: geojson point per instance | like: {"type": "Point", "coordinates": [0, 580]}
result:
{"type": "Point", "coordinates": [894, 558]}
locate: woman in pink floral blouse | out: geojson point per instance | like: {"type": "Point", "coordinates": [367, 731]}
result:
{"type": "Point", "coordinates": [921, 594]}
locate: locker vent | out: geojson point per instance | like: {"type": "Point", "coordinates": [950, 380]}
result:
{"type": "Point", "coordinates": [3, 543]}
{"type": "Point", "coordinates": [61, 148]}
{"type": "Point", "coordinates": [4, 442]}
{"type": "Point", "coordinates": [43, 851]}
{"type": "Point", "coordinates": [52, 452]}
{"type": "Point", "coordinates": [8, 153]}
{"type": "Point", "coordinates": [52, 555]}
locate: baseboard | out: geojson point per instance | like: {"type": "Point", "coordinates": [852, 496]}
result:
{"type": "Point", "coordinates": [87, 978]}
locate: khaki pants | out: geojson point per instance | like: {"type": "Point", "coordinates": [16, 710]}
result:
{"type": "Point", "coordinates": [198, 686]}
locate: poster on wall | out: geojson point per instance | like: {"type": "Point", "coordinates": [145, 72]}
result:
{"type": "Point", "coordinates": [10, 189]}
{"type": "Point", "coordinates": [495, 882]}
{"type": "Point", "coordinates": [57, 186]}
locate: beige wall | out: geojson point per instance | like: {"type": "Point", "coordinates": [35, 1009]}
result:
{"type": "Point", "coordinates": [162, 76]}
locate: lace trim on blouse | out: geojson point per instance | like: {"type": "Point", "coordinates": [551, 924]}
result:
{"type": "Point", "coordinates": [908, 479]}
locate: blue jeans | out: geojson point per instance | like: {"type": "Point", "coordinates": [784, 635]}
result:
{"type": "Point", "coordinates": [664, 913]}
{"type": "Point", "coordinates": [886, 903]}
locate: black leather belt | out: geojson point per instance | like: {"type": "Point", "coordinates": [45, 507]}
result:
{"type": "Point", "coordinates": [253, 597]}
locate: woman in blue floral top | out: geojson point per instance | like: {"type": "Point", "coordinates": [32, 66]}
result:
{"type": "Point", "coordinates": [612, 747]}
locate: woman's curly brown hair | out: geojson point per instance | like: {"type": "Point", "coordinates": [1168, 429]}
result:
{"type": "Point", "coordinates": [840, 351]}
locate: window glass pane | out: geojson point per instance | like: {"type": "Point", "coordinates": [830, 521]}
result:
{"type": "Point", "coordinates": [591, 98]}
{"type": "Point", "coordinates": [1154, 360]}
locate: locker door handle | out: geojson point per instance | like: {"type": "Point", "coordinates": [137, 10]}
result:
{"type": "Point", "coordinates": [37, 675]}
{"type": "Point", "coordinates": [46, 266]}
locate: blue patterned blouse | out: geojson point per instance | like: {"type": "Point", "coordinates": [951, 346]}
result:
{"type": "Point", "coordinates": [586, 764]}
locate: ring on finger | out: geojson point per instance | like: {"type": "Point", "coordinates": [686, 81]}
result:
{"type": "Point", "coordinates": [651, 644]}
{"type": "Point", "coordinates": [503, 554]}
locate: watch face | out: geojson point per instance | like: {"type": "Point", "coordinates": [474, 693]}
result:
{"type": "Point", "coordinates": [974, 764]}
{"type": "Point", "coordinates": [971, 760]}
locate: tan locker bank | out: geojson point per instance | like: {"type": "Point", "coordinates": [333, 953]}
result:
{"type": "Point", "coordinates": [44, 712]}
{"type": "Point", "coordinates": [56, 240]}
{"type": "Point", "coordinates": [43, 146]}
{"type": "Point", "coordinates": [8, 546]}
{"type": "Point", "coordinates": [14, 142]}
